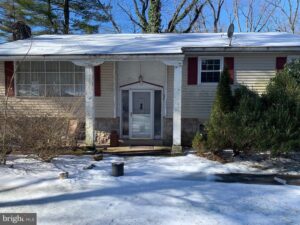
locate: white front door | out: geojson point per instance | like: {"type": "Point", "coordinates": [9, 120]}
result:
{"type": "Point", "coordinates": [141, 114]}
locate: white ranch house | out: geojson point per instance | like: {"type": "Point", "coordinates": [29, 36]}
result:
{"type": "Point", "coordinates": [145, 86]}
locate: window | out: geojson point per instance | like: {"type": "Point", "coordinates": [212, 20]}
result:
{"type": "Point", "coordinates": [49, 78]}
{"type": "Point", "coordinates": [210, 69]}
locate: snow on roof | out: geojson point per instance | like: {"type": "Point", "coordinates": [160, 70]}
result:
{"type": "Point", "coordinates": [101, 44]}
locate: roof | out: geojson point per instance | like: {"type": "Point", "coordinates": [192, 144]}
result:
{"type": "Point", "coordinates": [103, 44]}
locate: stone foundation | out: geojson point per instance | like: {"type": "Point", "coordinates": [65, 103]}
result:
{"type": "Point", "coordinates": [104, 126]}
{"type": "Point", "coordinates": [188, 129]}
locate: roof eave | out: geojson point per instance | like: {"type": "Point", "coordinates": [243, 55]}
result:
{"type": "Point", "coordinates": [105, 57]}
{"type": "Point", "coordinates": [275, 49]}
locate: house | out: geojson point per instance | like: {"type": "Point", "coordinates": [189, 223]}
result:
{"type": "Point", "coordinates": [145, 86]}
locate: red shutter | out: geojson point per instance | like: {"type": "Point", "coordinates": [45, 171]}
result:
{"type": "Point", "coordinates": [280, 62]}
{"type": "Point", "coordinates": [229, 64]}
{"type": "Point", "coordinates": [192, 71]}
{"type": "Point", "coordinates": [9, 79]}
{"type": "Point", "coordinates": [97, 75]}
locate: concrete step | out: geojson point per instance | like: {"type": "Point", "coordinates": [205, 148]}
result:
{"type": "Point", "coordinates": [141, 142]}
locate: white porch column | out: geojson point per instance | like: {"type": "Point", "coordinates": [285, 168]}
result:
{"type": "Point", "coordinates": [89, 98]}
{"type": "Point", "coordinates": [177, 98]}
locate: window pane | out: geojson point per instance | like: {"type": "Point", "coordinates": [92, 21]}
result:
{"type": "Point", "coordinates": [79, 78]}
{"type": "Point", "coordinates": [37, 90]}
{"type": "Point", "coordinates": [52, 78]}
{"type": "Point", "coordinates": [66, 67]}
{"type": "Point", "coordinates": [79, 68]}
{"type": "Point", "coordinates": [67, 78]}
{"type": "Point", "coordinates": [79, 90]}
{"type": "Point", "coordinates": [157, 113]}
{"type": "Point", "coordinates": [38, 78]}
{"type": "Point", "coordinates": [52, 90]}
{"type": "Point", "coordinates": [23, 66]}
{"type": "Point", "coordinates": [23, 78]}
{"type": "Point", "coordinates": [23, 90]}
{"type": "Point", "coordinates": [52, 66]}
{"type": "Point", "coordinates": [203, 77]}
{"type": "Point", "coordinates": [210, 77]}
{"type": "Point", "coordinates": [211, 69]}
{"type": "Point", "coordinates": [67, 90]}
{"type": "Point", "coordinates": [125, 112]}
{"type": "Point", "coordinates": [37, 66]}
{"type": "Point", "coordinates": [217, 67]}
{"type": "Point", "coordinates": [141, 103]}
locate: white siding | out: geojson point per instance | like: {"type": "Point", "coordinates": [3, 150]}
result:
{"type": "Point", "coordinates": [252, 70]}
{"type": "Point", "coordinates": [196, 99]}
{"type": "Point", "coordinates": [104, 105]}
{"type": "Point", "coordinates": [255, 71]}
{"type": "Point", "coordinates": [129, 72]}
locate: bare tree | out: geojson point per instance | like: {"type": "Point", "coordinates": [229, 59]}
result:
{"type": "Point", "coordinates": [183, 10]}
{"type": "Point", "coordinates": [216, 7]}
{"type": "Point", "coordinates": [255, 14]}
{"type": "Point", "coordinates": [290, 10]}
{"type": "Point", "coordinates": [109, 15]}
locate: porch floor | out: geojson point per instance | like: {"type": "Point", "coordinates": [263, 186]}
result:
{"type": "Point", "coordinates": [138, 150]}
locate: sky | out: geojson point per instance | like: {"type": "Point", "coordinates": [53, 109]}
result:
{"type": "Point", "coordinates": [168, 7]}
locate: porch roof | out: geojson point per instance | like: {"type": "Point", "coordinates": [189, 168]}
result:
{"type": "Point", "coordinates": [143, 44]}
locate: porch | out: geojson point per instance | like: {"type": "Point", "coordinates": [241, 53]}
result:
{"type": "Point", "coordinates": [139, 99]}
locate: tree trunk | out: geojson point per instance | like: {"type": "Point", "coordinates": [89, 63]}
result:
{"type": "Point", "coordinates": [50, 17]}
{"type": "Point", "coordinates": [154, 16]}
{"type": "Point", "coordinates": [66, 17]}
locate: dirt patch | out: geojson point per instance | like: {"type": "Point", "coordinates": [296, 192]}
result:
{"type": "Point", "coordinates": [273, 179]}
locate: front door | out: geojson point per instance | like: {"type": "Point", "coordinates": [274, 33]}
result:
{"type": "Point", "coordinates": [141, 114]}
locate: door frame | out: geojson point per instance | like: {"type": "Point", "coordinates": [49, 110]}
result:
{"type": "Point", "coordinates": [151, 112]}
{"type": "Point", "coordinates": [142, 86]}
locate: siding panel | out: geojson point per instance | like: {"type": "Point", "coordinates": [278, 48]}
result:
{"type": "Point", "coordinates": [104, 104]}
{"type": "Point", "coordinates": [252, 70]}
{"type": "Point", "coordinates": [255, 71]}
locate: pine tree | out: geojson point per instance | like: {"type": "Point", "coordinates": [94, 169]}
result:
{"type": "Point", "coordinates": [9, 14]}
{"type": "Point", "coordinates": [154, 14]}
{"type": "Point", "coordinates": [52, 16]}
{"type": "Point", "coordinates": [224, 95]}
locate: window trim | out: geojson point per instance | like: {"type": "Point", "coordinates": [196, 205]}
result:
{"type": "Point", "coordinates": [200, 58]}
{"type": "Point", "coordinates": [45, 82]}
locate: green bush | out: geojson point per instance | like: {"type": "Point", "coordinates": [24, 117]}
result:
{"type": "Point", "coordinates": [252, 122]}
{"type": "Point", "coordinates": [292, 69]}
{"type": "Point", "coordinates": [199, 142]}
{"type": "Point", "coordinates": [224, 94]}
{"type": "Point", "coordinates": [280, 123]}
{"type": "Point", "coordinates": [216, 124]}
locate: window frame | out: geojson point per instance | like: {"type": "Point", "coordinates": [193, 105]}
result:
{"type": "Point", "coordinates": [74, 73]}
{"type": "Point", "coordinates": [200, 59]}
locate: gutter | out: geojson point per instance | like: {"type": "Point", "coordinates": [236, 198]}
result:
{"type": "Point", "coordinates": [105, 57]}
{"type": "Point", "coordinates": [274, 49]}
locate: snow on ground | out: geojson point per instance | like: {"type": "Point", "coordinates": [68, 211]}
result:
{"type": "Point", "coordinates": [154, 190]}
